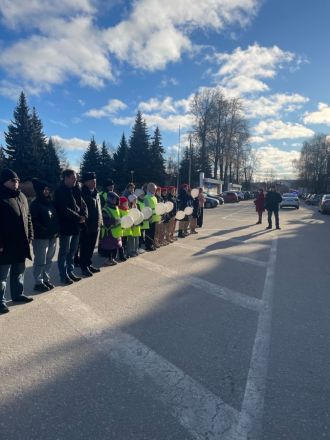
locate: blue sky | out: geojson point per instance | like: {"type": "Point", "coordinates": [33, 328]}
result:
{"type": "Point", "coordinates": [89, 65]}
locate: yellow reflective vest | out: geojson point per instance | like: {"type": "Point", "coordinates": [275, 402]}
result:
{"type": "Point", "coordinates": [126, 232]}
{"type": "Point", "coordinates": [145, 223]}
{"type": "Point", "coordinates": [151, 201]}
{"type": "Point", "coordinates": [115, 230]}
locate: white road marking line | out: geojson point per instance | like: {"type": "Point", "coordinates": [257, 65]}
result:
{"type": "Point", "coordinates": [224, 293]}
{"type": "Point", "coordinates": [224, 254]}
{"type": "Point", "coordinates": [202, 413]}
{"type": "Point", "coordinates": [239, 210]}
{"type": "Point", "coordinates": [250, 419]}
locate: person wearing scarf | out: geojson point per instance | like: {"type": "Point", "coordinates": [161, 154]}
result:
{"type": "Point", "coordinates": [16, 234]}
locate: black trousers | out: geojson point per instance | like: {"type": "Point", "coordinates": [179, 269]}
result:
{"type": "Point", "coordinates": [87, 245]}
{"type": "Point", "coordinates": [277, 218]}
{"type": "Point", "coordinates": [150, 236]}
{"type": "Point", "coordinates": [200, 217]}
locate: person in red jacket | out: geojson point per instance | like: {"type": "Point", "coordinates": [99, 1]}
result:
{"type": "Point", "coordinates": [260, 205]}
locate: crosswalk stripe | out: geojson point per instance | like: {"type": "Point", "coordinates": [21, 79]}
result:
{"type": "Point", "coordinates": [202, 413]}
{"type": "Point", "coordinates": [224, 254]}
{"type": "Point", "coordinates": [207, 287]}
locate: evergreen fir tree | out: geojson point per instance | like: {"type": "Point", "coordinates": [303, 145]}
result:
{"type": "Point", "coordinates": [139, 157]}
{"type": "Point", "coordinates": [190, 161]}
{"type": "Point", "coordinates": [106, 166]}
{"type": "Point", "coordinates": [91, 158]}
{"type": "Point", "coordinates": [3, 159]}
{"type": "Point", "coordinates": [39, 146]}
{"type": "Point", "coordinates": [19, 141]}
{"type": "Point", "coordinates": [52, 166]}
{"type": "Point", "coordinates": [157, 165]}
{"type": "Point", "coordinates": [121, 176]}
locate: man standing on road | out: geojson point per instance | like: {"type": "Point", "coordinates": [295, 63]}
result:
{"type": "Point", "coordinates": [15, 237]}
{"type": "Point", "coordinates": [92, 226]}
{"type": "Point", "coordinates": [272, 202]}
{"type": "Point", "coordinates": [72, 212]}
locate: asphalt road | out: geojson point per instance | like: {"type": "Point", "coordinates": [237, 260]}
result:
{"type": "Point", "coordinates": [223, 335]}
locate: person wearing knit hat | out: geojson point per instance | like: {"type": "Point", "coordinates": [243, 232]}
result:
{"type": "Point", "coordinates": [46, 229]}
{"type": "Point", "coordinates": [8, 174]}
{"type": "Point", "coordinates": [111, 232]}
{"type": "Point", "coordinates": [16, 234]}
{"type": "Point", "coordinates": [88, 234]}
{"type": "Point", "coordinates": [108, 186]}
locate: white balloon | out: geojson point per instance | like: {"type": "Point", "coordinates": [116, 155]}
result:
{"type": "Point", "coordinates": [188, 210]}
{"type": "Point", "coordinates": [134, 213]}
{"type": "Point", "coordinates": [169, 206]}
{"type": "Point", "coordinates": [194, 193]}
{"type": "Point", "coordinates": [139, 220]}
{"type": "Point", "coordinates": [132, 197]}
{"type": "Point", "coordinates": [180, 215]}
{"type": "Point", "coordinates": [147, 212]}
{"type": "Point", "coordinates": [138, 192]}
{"type": "Point", "coordinates": [126, 222]}
{"type": "Point", "coordinates": [160, 209]}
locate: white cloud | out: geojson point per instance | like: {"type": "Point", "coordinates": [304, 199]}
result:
{"type": "Point", "coordinates": [32, 13]}
{"type": "Point", "coordinates": [72, 144]}
{"type": "Point", "coordinates": [165, 82]}
{"type": "Point", "coordinates": [167, 105]}
{"type": "Point", "coordinates": [322, 116]}
{"type": "Point", "coordinates": [273, 105]}
{"type": "Point", "coordinates": [270, 157]}
{"type": "Point", "coordinates": [244, 71]}
{"type": "Point", "coordinates": [157, 32]}
{"type": "Point", "coordinates": [113, 106]}
{"type": "Point", "coordinates": [64, 40]}
{"type": "Point", "coordinates": [276, 130]}
{"type": "Point", "coordinates": [70, 48]}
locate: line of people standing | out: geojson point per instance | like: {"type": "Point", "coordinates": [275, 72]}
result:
{"type": "Point", "coordinates": [77, 216]}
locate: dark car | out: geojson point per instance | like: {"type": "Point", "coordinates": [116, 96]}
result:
{"type": "Point", "coordinates": [230, 197]}
{"type": "Point", "coordinates": [216, 196]}
{"type": "Point", "coordinates": [210, 202]}
{"type": "Point", "coordinates": [314, 199]}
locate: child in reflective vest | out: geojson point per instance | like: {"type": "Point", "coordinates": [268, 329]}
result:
{"type": "Point", "coordinates": [111, 231]}
{"type": "Point", "coordinates": [126, 232]}
{"type": "Point", "coordinates": [145, 224]}
{"type": "Point", "coordinates": [133, 240]}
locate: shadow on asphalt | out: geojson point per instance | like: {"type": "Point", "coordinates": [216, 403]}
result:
{"type": "Point", "coordinates": [97, 398]}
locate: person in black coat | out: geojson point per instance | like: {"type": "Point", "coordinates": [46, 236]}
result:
{"type": "Point", "coordinates": [46, 229]}
{"type": "Point", "coordinates": [15, 237]}
{"type": "Point", "coordinates": [72, 212]}
{"type": "Point", "coordinates": [272, 204]}
{"type": "Point", "coordinates": [89, 232]}
{"type": "Point", "coordinates": [184, 200]}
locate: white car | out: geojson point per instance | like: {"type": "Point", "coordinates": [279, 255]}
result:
{"type": "Point", "coordinates": [289, 201]}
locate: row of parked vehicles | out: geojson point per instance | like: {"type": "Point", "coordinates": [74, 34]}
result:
{"type": "Point", "coordinates": [227, 197]}
{"type": "Point", "coordinates": [320, 200]}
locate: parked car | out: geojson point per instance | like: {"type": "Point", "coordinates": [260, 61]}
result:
{"type": "Point", "coordinates": [210, 202]}
{"type": "Point", "coordinates": [215, 196]}
{"type": "Point", "coordinates": [230, 197]}
{"type": "Point", "coordinates": [324, 204]}
{"type": "Point", "coordinates": [289, 200]}
{"type": "Point", "coordinates": [314, 199]}
{"type": "Point", "coordinates": [240, 195]}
